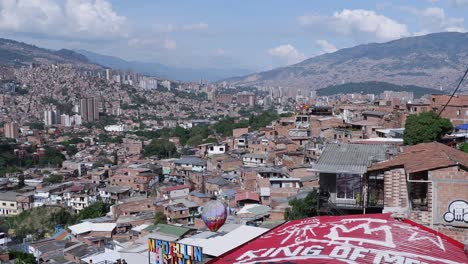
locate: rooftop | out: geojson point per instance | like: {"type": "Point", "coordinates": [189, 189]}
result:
{"type": "Point", "coordinates": [425, 156]}
{"type": "Point", "coordinates": [174, 188]}
{"type": "Point", "coordinates": [247, 196]}
{"type": "Point", "coordinates": [88, 227]}
{"type": "Point", "coordinates": [169, 229]}
{"type": "Point", "coordinates": [379, 233]}
{"type": "Point", "coordinates": [116, 189]}
{"type": "Point", "coordinates": [351, 158]}
{"type": "Point", "coordinates": [8, 196]}
{"type": "Point", "coordinates": [192, 160]}
{"type": "Point", "coordinates": [220, 244]}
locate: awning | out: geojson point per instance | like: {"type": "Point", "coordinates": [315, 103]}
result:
{"type": "Point", "coordinates": [462, 127]}
{"type": "Point", "coordinates": [372, 238]}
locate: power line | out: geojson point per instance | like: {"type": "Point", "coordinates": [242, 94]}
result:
{"type": "Point", "coordinates": [455, 91]}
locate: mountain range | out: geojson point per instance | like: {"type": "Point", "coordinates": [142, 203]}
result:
{"type": "Point", "coordinates": [161, 70]}
{"type": "Point", "coordinates": [15, 53]}
{"type": "Point", "coordinates": [435, 61]}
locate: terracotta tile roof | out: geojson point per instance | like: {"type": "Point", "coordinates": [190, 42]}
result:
{"type": "Point", "coordinates": [247, 196]}
{"type": "Point", "coordinates": [425, 156]}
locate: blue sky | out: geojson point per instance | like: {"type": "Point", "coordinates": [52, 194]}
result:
{"type": "Point", "coordinates": [252, 34]}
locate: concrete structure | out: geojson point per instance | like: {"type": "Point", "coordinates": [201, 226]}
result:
{"type": "Point", "coordinates": [8, 204]}
{"type": "Point", "coordinates": [11, 130]}
{"type": "Point", "coordinates": [89, 109]}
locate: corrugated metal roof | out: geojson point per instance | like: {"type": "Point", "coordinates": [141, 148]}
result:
{"type": "Point", "coordinates": [192, 160]}
{"type": "Point", "coordinates": [88, 227]}
{"type": "Point", "coordinates": [172, 230]}
{"type": "Point", "coordinates": [370, 238]}
{"type": "Point", "coordinates": [351, 158]}
{"type": "Point", "coordinates": [215, 246]}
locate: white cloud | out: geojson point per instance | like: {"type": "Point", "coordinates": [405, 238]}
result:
{"type": "Point", "coordinates": [356, 22]}
{"type": "Point", "coordinates": [55, 18]}
{"type": "Point", "coordinates": [169, 28]}
{"type": "Point", "coordinates": [459, 3]}
{"type": "Point", "coordinates": [325, 46]}
{"type": "Point", "coordinates": [287, 53]}
{"type": "Point", "coordinates": [165, 43]}
{"type": "Point", "coordinates": [434, 19]}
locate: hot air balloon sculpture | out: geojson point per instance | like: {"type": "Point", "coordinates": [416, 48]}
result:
{"type": "Point", "coordinates": [214, 215]}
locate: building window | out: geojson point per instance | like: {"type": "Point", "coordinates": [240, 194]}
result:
{"type": "Point", "coordinates": [347, 186]}
{"type": "Point", "coordinates": [12, 204]}
{"type": "Point", "coordinates": [418, 191]}
{"type": "Point", "coordinates": [4, 204]}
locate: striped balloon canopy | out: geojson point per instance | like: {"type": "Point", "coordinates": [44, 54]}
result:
{"type": "Point", "coordinates": [214, 215]}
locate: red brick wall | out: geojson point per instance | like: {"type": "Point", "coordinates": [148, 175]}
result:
{"type": "Point", "coordinates": [451, 185]}
{"type": "Point", "coordinates": [128, 208]}
{"type": "Point", "coordinates": [396, 193]}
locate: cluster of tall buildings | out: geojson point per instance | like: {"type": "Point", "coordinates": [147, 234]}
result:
{"type": "Point", "coordinates": [89, 109]}
{"type": "Point", "coordinates": [148, 83]}
{"type": "Point", "coordinates": [53, 117]}
{"type": "Point", "coordinates": [244, 98]}
{"type": "Point", "coordinates": [144, 82]}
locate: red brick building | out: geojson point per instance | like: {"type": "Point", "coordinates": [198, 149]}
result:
{"type": "Point", "coordinates": [456, 110]}
{"type": "Point", "coordinates": [428, 183]}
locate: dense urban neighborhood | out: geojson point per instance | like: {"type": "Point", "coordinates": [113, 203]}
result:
{"type": "Point", "coordinates": [96, 163]}
{"type": "Point", "coordinates": [356, 155]}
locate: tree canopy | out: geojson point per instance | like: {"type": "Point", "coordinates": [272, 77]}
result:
{"type": "Point", "coordinates": [464, 147]}
{"type": "Point", "coordinates": [162, 148]}
{"type": "Point", "coordinates": [160, 218]}
{"type": "Point", "coordinates": [302, 208]}
{"type": "Point", "coordinates": [425, 127]}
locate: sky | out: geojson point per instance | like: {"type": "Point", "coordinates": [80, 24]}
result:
{"type": "Point", "coordinates": [248, 34]}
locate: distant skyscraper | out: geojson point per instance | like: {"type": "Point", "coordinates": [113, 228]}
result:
{"type": "Point", "coordinates": [51, 117]}
{"type": "Point", "coordinates": [65, 120]}
{"type": "Point", "coordinates": [11, 130]}
{"type": "Point", "coordinates": [108, 74]}
{"type": "Point", "coordinates": [89, 108]}
{"type": "Point", "coordinates": [77, 120]}
{"type": "Point", "coordinates": [166, 84]}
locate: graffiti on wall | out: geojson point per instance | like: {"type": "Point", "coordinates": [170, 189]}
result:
{"type": "Point", "coordinates": [166, 252]}
{"type": "Point", "coordinates": [457, 212]}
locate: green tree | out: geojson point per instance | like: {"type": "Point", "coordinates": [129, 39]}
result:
{"type": "Point", "coordinates": [22, 258]}
{"type": "Point", "coordinates": [62, 217]}
{"type": "Point", "coordinates": [54, 178]}
{"type": "Point", "coordinates": [160, 218]}
{"type": "Point", "coordinates": [194, 141]}
{"type": "Point", "coordinates": [464, 147]}
{"type": "Point", "coordinates": [52, 157]}
{"type": "Point", "coordinates": [302, 208]}
{"type": "Point", "coordinates": [425, 127]}
{"type": "Point", "coordinates": [97, 209]}
{"type": "Point", "coordinates": [21, 183]}
{"type": "Point", "coordinates": [162, 148]}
